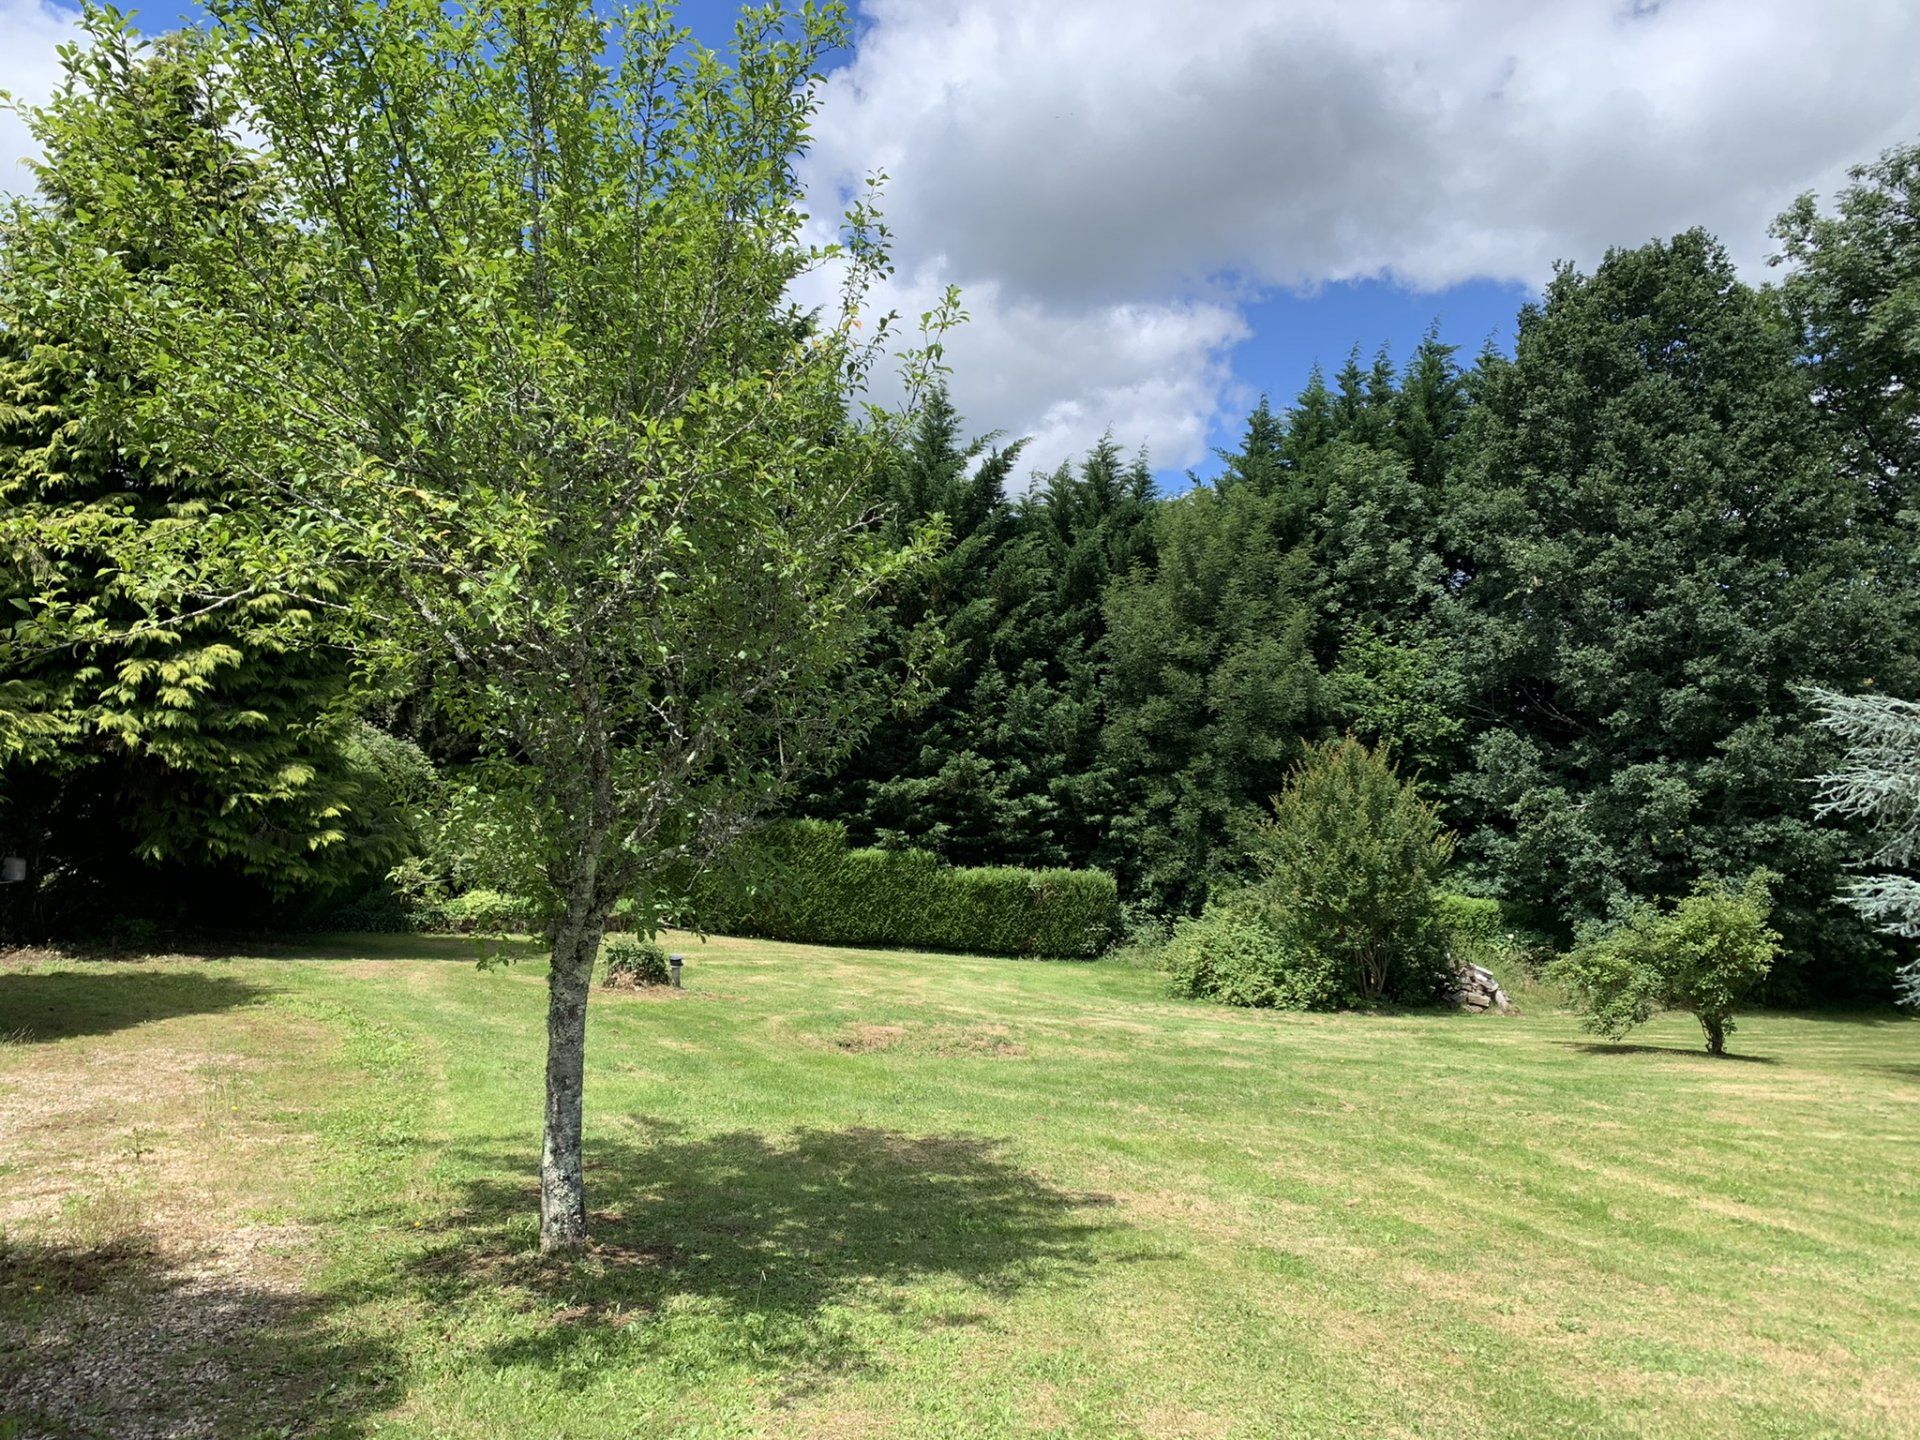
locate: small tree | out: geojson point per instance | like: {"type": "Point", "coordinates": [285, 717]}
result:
{"type": "Point", "coordinates": [1348, 864]}
{"type": "Point", "coordinates": [512, 346]}
{"type": "Point", "coordinates": [1879, 783]}
{"type": "Point", "coordinates": [1703, 956]}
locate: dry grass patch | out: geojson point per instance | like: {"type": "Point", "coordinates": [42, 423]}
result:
{"type": "Point", "coordinates": [140, 1292]}
{"type": "Point", "coordinates": [944, 1041]}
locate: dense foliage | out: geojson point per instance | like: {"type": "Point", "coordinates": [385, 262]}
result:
{"type": "Point", "coordinates": [1660, 549]}
{"type": "Point", "coordinates": [628, 583]}
{"type": "Point", "coordinates": [1878, 781]}
{"type": "Point", "coordinates": [1704, 955]}
{"type": "Point", "coordinates": [1348, 866]}
{"type": "Point", "coordinates": [628, 960]}
{"type": "Point", "coordinates": [152, 743]}
{"type": "Point", "coordinates": [1580, 591]}
{"type": "Point", "coordinates": [1210, 686]}
{"type": "Point", "coordinates": [799, 880]}
{"type": "Point", "coordinates": [1234, 953]}
{"type": "Point", "coordinates": [1344, 909]}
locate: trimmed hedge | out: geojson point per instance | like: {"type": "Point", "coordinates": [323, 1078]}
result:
{"type": "Point", "coordinates": [483, 912]}
{"type": "Point", "coordinates": [797, 880]}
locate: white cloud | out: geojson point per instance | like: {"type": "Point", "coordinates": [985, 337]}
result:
{"type": "Point", "coordinates": [1104, 176]}
{"type": "Point", "coordinates": [30, 33]}
{"type": "Point", "coordinates": [1152, 371]}
{"type": "Point", "coordinates": [1109, 179]}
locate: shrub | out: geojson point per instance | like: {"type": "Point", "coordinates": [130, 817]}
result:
{"type": "Point", "coordinates": [1481, 931]}
{"type": "Point", "coordinates": [1347, 868]}
{"type": "Point", "coordinates": [486, 912]}
{"type": "Point", "coordinates": [1237, 952]}
{"type": "Point", "coordinates": [1472, 923]}
{"type": "Point", "coordinates": [797, 880]}
{"type": "Point", "coordinates": [1143, 938]}
{"type": "Point", "coordinates": [1704, 955]}
{"type": "Point", "coordinates": [633, 960]}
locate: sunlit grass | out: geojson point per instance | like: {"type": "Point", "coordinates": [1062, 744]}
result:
{"type": "Point", "coordinates": [846, 1193]}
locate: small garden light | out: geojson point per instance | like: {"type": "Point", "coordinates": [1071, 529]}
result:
{"type": "Point", "coordinates": [674, 962]}
{"type": "Point", "coordinates": [13, 870]}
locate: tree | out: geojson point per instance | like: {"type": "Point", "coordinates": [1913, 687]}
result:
{"type": "Point", "coordinates": [1209, 690]}
{"type": "Point", "coordinates": [1311, 421]}
{"type": "Point", "coordinates": [1878, 781]}
{"type": "Point", "coordinates": [1704, 956]}
{"type": "Point", "coordinates": [1853, 293]}
{"type": "Point", "coordinates": [1261, 461]}
{"type": "Point", "coordinates": [1656, 552]}
{"type": "Point", "coordinates": [1042, 705]}
{"type": "Point", "coordinates": [1398, 690]}
{"type": "Point", "coordinates": [1429, 409]}
{"type": "Point", "coordinates": [1348, 863]}
{"type": "Point", "coordinates": [931, 774]}
{"type": "Point", "coordinates": [517, 351]}
{"type": "Point", "coordinates": [151, 738]}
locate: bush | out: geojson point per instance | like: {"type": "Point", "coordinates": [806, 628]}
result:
{"type": "Point", "coordinates": [797, 880]}
{"type": "Point", "coordinates": [483, 912]}
{"type": "Point", "coordinates": [1237, 953]}
{"type": "Point", "coordinates": [1481, 931]}
{"type": "Point", "coordinates": [1347, 869]}
{"type": "Point", "coordinates": [1473, 923]}
{"type": "Point", "coordinates": [1704, 955]}
{"type": "Point", "coordinates": [1143, 938]}
{"type": "Point", "coordinates": [632, 960]}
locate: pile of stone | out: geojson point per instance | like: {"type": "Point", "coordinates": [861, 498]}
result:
{"type": "Point", "coordinates": [1476, 990]}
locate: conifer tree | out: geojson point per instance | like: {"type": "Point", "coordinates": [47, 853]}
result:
{"type": "Point", "coordinates": [932, 773]}
{"type": "Point", "coordinates": [1261, 461]}
{"type": "Point", "coordinates": [153, 732]}
{"type": "Point", "coordinates": [1660, 551]}
{"type": "Point", "coordinates": [1311, 421]}
{"type": "Point", "coordinates": [1210, 689]}
{"type": "Point", "coordinates": [1429, 408]}
{"type": "Point", "coordinates": [1877, 781]}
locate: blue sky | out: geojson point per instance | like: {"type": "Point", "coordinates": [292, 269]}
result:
{"type": "Point", "coordinates": [1291, 331]}
{"type": "Point", "coordinates": [1158, 212]}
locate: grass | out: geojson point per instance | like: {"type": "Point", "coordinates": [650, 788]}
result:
{"type": "Point", "coordinates": [853, 1194]}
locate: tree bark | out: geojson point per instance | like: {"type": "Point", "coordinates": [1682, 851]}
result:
{"type": "Point", "coordinates": [1716, 1034]}
{"type": "Point", "coordinates": [563, 1190]}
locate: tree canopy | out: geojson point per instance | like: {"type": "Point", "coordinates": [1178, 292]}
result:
{"type": "Point", "coordinates": [508, 342]}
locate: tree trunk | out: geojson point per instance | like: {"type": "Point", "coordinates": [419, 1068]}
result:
{"type": "Point", "coordinates": [1716, 1034]}
{"type": "Point", "coordinates": [563, 1191]}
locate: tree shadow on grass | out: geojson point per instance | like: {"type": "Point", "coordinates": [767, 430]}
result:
{"type": "Point", "coordinates": [742, 1248]}
{"type": "Point", "coordinates": [59, 1004]}
{"type": "Point", "coordinates": [121, 1340]}
{"type": "Point", "coordinates": [1699, 1052]}
{"type": "Point", "coordinates": [466, 949]}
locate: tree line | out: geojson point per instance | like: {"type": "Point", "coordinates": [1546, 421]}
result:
{"type": "Point", "coordinates": [1583, 592]}
{"type": "Point", "coordinates": [1580, 592]}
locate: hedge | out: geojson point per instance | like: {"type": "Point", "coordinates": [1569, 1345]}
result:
{"type": "Point", "coordinates": [798, 880]}
{"type": "Point", "coordinates": [1480, 930]}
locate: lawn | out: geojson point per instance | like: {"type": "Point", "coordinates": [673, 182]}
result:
{"type": "Point", "coordinates": [849, 1194]}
